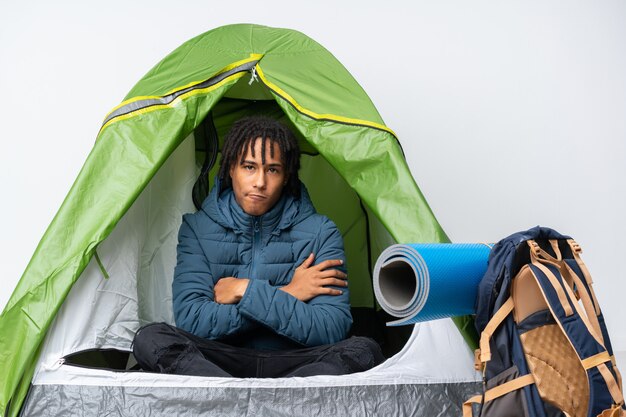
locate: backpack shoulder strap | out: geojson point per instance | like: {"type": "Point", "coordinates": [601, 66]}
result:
{"type": "Point", "coordinates": [491, 327]}
{"type": "Point", "coordinates": [579, 324]}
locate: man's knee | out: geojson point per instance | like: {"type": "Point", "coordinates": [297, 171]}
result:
{"type": "Point", "coordinates": [148, 334]}
{"type": "Point", "coordinates": [158, 347]}
{"type": "Point", "coordinates": [361, 353]}
{"type": "Point", "coordinates": [149, 340]}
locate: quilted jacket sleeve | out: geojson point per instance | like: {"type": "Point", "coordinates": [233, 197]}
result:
{"type": "Point", "coordinates": [324, 319]}
{"type": "Point", "coordinates": [193, 295]}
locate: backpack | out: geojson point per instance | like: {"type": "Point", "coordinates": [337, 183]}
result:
{"type": "Point", "coordinates": [544, 348]}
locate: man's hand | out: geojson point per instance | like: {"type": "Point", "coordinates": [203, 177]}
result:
{"type": "Point", "coordinates": [230, 290]}
{"type": "Point", "coordinates": [310, 281]}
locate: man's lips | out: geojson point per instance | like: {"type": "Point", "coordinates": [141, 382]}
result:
{"type": "Point", "coordinates": [256, 197]}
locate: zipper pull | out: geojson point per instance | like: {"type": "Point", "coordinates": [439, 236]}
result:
{"type": "Point", "coordinates": [54, 366]}
{"type": "Point", "coordinates": [253, 76]}
{"type": "Point", "coordinates": [256, 226]}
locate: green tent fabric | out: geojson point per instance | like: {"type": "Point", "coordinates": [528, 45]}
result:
{"type": "Point", "coordinates": [305, 85]}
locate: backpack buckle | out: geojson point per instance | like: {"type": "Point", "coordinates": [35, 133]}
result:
{"type": "Point", "coordinates": [534, 247]}
{"type": "Point", "coordinates": [575, 246]}
{"type": "Point", "coordinates": [478, 364]}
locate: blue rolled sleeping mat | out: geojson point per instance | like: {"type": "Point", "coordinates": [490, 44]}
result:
{"type": "Point", "coordinates": [427, 281]}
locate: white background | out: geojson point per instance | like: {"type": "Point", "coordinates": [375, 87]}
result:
{"type": "Point", "coordinates": [511, 113]}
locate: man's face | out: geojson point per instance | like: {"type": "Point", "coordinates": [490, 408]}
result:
{"type": "Point", "coordinates": [258, 186]}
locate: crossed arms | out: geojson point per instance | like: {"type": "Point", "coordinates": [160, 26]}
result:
{"type": "Point", "coordinates": [311, 309]}
{"type": "Point", "coordinates": [309, 281]}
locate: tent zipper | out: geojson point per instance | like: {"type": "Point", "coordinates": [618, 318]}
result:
{"type": "Point", "coordinates": [140, 104]}
{"type": "Point", "coordinates": [56, 365]}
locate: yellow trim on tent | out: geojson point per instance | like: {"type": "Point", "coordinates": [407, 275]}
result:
{"type": "Point", "coordinates": [269, 84]}
{"type": "Point", "coordinates": [174, 102]}
{"type": "Point", "coordinates": [317, 116]}
{"type": "Point", "coordinates": [253, 57]}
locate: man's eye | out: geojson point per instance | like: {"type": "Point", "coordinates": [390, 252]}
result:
{"type": "Point", "coordinates": [248, 167]}
{"type": "Point", "coordinates": [273, 170]}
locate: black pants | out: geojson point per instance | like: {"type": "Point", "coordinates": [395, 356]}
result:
{"type": "Point", "coordinates": [159, 347]}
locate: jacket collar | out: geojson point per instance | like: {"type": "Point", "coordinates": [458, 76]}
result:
{"type": "Point", "coordinates": [222, 207]}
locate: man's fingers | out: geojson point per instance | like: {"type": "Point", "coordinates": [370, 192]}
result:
{"type": "Point", "coordinates": [329, 263]}
{"type": "Point", "coordinates": [325, 291]}
{"type": "Point", "coordinates": [308, 261]}
{"type": "Point", "coordinates": [331, 291]}
{"type": "Point", "coordinates": [336, 282]}
{"type": "Point", "coordinates": [329, 273]}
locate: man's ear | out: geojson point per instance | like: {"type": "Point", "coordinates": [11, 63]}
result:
{"type": "Point", "coordinates": [231, 170]}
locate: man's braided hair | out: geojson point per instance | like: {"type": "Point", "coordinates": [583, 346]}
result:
{"type": "Point", "coordinates": [243, 136]}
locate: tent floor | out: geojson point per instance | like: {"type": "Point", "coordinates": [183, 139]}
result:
{"type": "Point", "coordinates": [437, 399]}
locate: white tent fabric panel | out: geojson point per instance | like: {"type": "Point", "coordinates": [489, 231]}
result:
{"type": "Point", "coordinates": [139, 256]}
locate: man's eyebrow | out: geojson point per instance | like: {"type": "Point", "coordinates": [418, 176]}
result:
{"type": "Point", "coordinates": [251, 162]}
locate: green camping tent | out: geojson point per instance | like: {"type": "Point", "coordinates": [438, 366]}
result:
{"type": "Point", "coordinates": [225, 73]}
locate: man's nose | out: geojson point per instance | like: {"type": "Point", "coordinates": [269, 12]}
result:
{"type": "Point", "coordinates": [260, 179]}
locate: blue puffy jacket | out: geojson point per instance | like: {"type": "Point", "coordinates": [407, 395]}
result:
{"type": "Point", "coordinates": [221, 240]}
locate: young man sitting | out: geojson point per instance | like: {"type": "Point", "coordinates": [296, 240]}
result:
{"type": "Point", "coordinates": [260, 287]}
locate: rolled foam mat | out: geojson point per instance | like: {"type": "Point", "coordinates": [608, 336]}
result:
{"type": "Point", "coordinates": [428, 281]}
